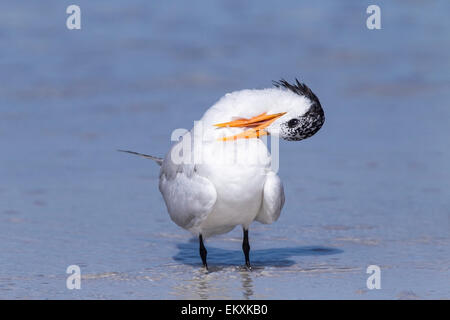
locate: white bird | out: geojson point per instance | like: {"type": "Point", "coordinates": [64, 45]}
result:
{"type": "Point", "coordinates": [226, 179]}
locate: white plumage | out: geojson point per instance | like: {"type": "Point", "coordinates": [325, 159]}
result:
{"type": "Point", "coordinates": [223, 184]}
{"type": "Point", "coordinates": [228, 187]}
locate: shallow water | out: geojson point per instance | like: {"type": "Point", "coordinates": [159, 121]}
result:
{"type": "Point", "coordinates": [371, 188]}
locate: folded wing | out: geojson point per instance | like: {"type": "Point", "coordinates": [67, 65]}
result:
{"type": "Point", "coordinates": [189, 197]}
{"type": "Point", "coordinates": [273, 199]}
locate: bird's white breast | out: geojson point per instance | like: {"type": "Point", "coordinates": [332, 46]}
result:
{"type": "Point", "coordinates": [238, 171]}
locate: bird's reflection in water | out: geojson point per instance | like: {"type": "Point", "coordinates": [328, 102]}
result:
{"type": "Point", "coordinates": [247, 284]}
{"type": "Point", "coordinates": [203, 284]}
{"type": "Point", "coordinates": [216, 282]}
{"type": "Point", "coordinates": [203, 288]}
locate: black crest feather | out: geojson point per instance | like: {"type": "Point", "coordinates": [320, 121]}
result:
{"type": "Point", "coordinates": [298, 88]}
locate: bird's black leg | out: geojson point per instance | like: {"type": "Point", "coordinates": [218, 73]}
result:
{"type": "Point", "coordinates": [246, 249]}
{"type": "Point", "coordinates": [203, 252]}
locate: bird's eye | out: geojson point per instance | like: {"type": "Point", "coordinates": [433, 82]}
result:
{"type": "Point", "coordinates": [292, 123]}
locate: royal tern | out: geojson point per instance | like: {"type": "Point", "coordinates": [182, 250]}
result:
{"type": "Point", "coordinates": [227, 179]}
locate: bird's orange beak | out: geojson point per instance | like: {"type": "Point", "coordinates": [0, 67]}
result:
{"type": "Point", "coordinates": [256, 124]}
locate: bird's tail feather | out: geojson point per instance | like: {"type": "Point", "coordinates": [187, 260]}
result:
{"type": "Point", "coordinates": [156, 159]}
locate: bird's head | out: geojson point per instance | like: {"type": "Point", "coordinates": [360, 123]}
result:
{"type": "Point", "coordinates": [290, 111]}
{"type": "Point", "coordinates": [302, 120]}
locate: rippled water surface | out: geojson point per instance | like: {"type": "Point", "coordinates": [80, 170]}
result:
{"type": "Point", "coordinates": [372, 187]}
